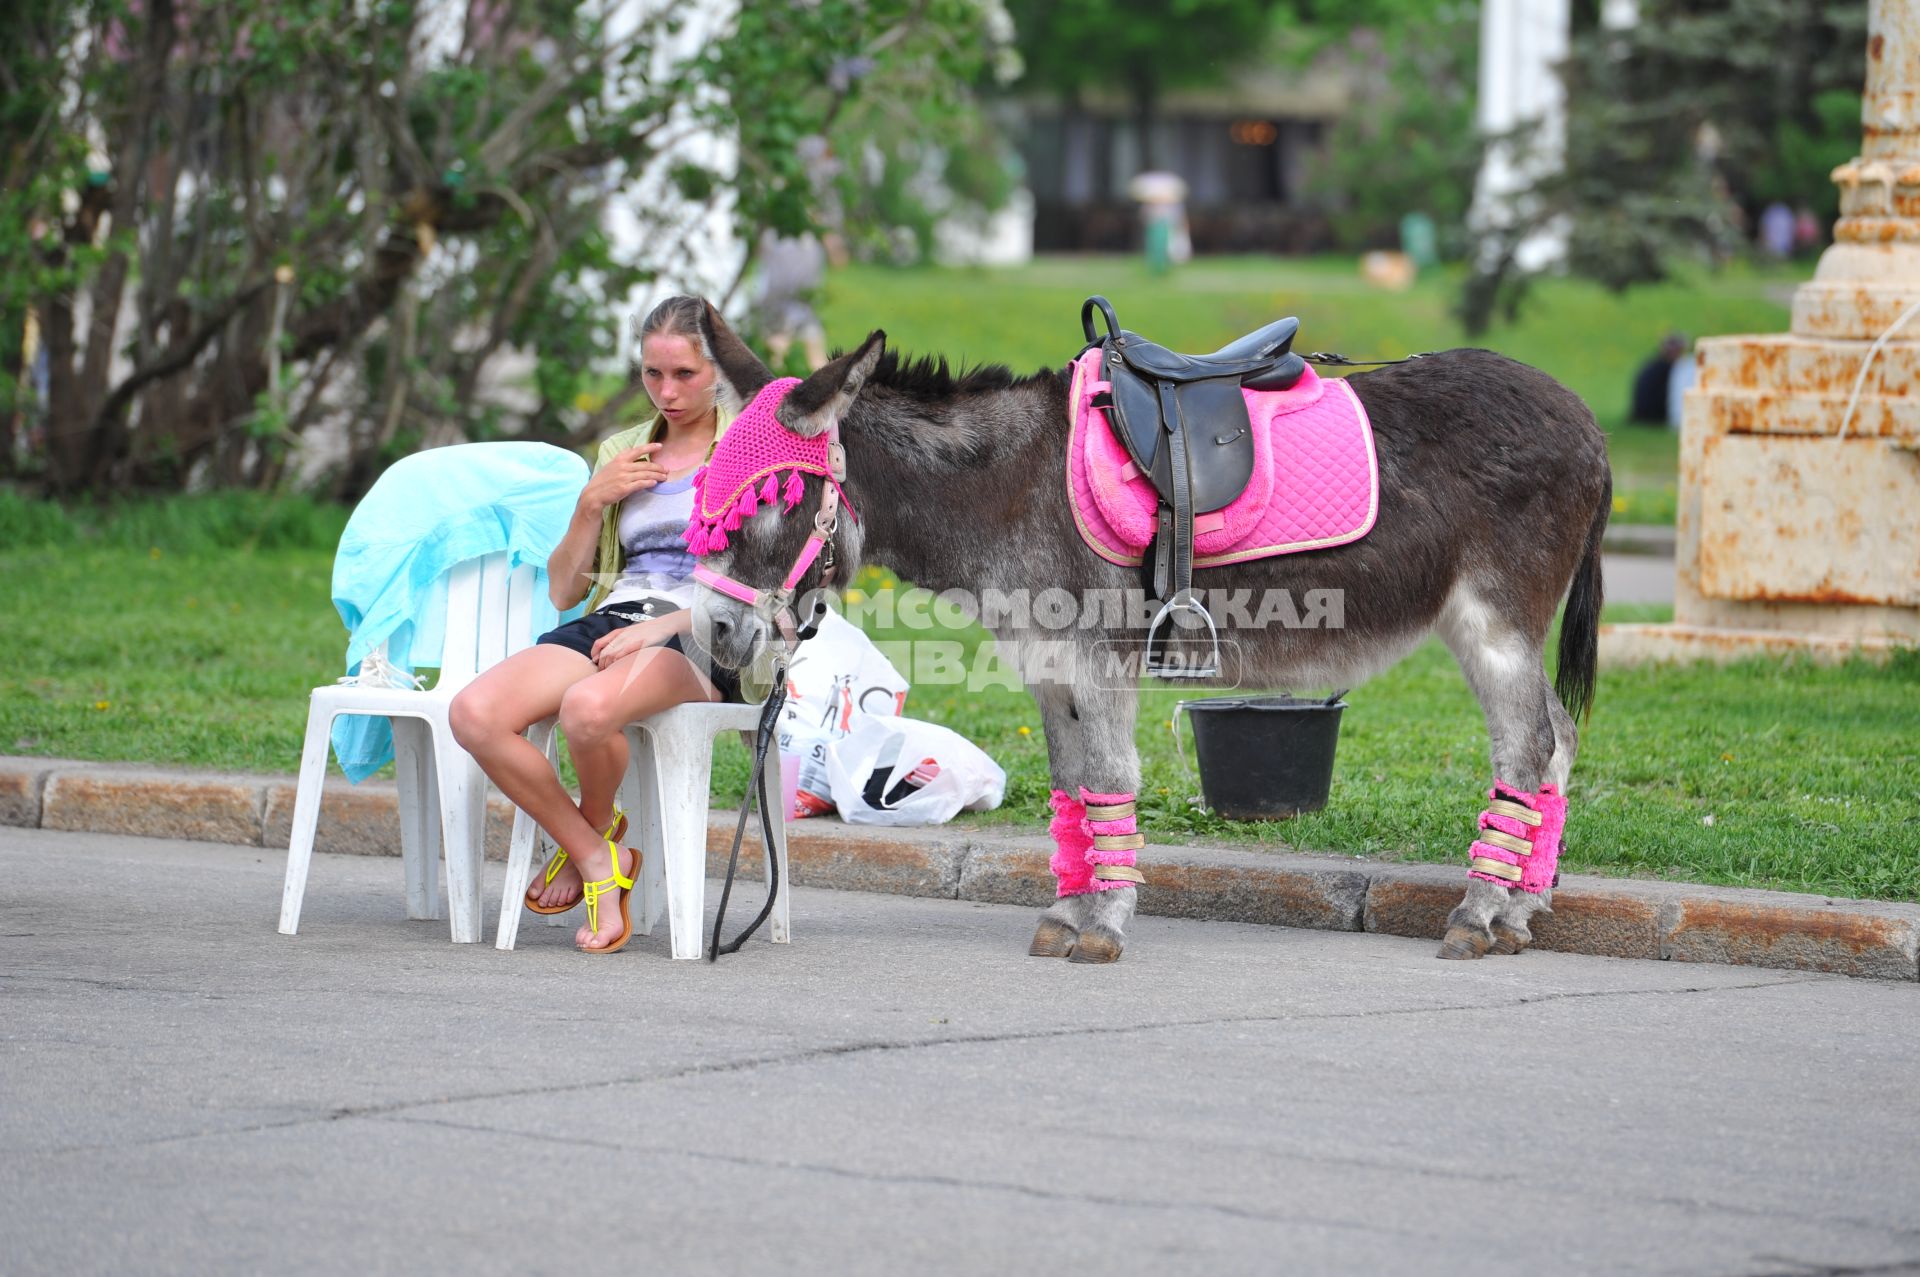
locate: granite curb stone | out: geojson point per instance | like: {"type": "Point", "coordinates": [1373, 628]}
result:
{"type": "Point", "coordinates": [848, 858]}
{"type": "Point", "coordinates": [1606, 917]}
{"type": "Point", "coordinates": [198, 807]}
{"type": "Point", "coordinates": [364, 819]}
{"type": "Point", "coordinates": [1609, 917]}
{"type": "Point", "coordinates": [21, 780]}
{"type": "Point", "coordinates": [1800, 933]}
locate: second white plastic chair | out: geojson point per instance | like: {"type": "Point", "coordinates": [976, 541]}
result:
{"type": "Point", "coordinates": [665, 794]}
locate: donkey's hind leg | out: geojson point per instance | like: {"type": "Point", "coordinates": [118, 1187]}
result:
{"type": "Point", "coordinates": [1532, 743]}
{"type": "Point", "coordinates": [1511, 932]}
{"type": "Point", "coordinates": [1090, 750]}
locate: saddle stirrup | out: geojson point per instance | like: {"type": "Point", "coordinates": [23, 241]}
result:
{"type": "Point", "coordinates": [1158, 665]}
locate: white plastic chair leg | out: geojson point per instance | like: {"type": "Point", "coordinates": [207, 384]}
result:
{"type": "Point", "coordinates": [682, 765]}
{"type": "Point", "coordinates": [418, 782]}
{"type": "Point", "coordinates": [640, 796]}
{"type": "Point", "coordinates": [520, 852]}
{"type": "Point", "coordinates": [306, 817]}
{"type": "Point", "coordinates": [463, 807]}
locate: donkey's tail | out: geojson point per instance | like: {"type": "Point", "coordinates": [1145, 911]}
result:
{"type": "Point", "coordinates": [1580, 627]}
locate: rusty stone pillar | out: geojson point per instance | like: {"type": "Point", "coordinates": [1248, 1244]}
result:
{"type": "Point", "coordinates": [1799, 521]}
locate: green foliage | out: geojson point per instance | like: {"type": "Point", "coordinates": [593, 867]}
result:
{"type": "Point", "coordinates": [1407, 142]}
{"type": "Point", "coordinates": [427, 210]}
{"type": "Point", "coordinates": [1070, 46]}
{"type": "Point", "coordinates": [909, 142]}
{"type": "Point", "coordinates": [1794, 170]}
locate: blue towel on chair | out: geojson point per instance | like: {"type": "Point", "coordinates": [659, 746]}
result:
{"type": "Point", "coordinates": [427, 513]}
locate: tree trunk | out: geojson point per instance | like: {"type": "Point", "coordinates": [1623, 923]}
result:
{"type": "Point", "coordinates": [1146, 111]}
{"type": "Point", "coordinates": [67, 418]}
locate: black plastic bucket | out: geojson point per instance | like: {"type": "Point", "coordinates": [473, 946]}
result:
{"type": "Point", "coordinates": [1264, 757]}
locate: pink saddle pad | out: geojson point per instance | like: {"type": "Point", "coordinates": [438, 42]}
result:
{"type": "Point", "coordinates": [1315, 484]}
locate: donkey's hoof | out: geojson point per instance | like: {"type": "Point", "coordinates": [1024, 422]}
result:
{"type": "Point", "coordinates": [1097, 944]}
{"type": "Point", "coordinates": [1507, 941]}
{"type": "Point", "coordinates": [1052, 939]}
{"type": "Point", "coordinates": [1464, 942]}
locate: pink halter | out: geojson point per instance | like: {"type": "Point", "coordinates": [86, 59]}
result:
{"type": "Point", "coordinates": [752, 452]}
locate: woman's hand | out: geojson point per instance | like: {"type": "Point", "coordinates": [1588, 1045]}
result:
{"type": "Point", "coordinates": [628, 639]}
{"type": "Point", "coordinates": [625, 473]}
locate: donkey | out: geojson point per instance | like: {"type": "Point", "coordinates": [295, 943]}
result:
{"type": "Point", "coordinates": [1494, 490]}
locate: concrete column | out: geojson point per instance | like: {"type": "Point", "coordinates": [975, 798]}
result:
{"type": "Point", "coordinates": [1522, 43]}
{"type": "Point", "coordinates": [1870, 277]}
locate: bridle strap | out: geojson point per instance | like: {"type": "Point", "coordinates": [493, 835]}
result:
{"type": "Point", "coordinates": [825, 520]}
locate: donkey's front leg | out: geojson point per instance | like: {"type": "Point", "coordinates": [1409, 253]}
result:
{"type": "Point", "coordinates": [1096, 772]}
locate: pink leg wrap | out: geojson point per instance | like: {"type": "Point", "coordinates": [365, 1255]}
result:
{"type": "Point", "coordinates": [1075, 858]}
{"type": "Point", "coordinates": [1071, 844]}
{"type": "Point", "coordinates": [1538, 869]}
{"type": "Point", "coordinates": [1126, 827]}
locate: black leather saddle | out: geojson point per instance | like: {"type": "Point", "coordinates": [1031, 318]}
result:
{"type": "Point", "coordinates": [1184, 422]}
{"type": "Point", "coordinates": [1160, 395]}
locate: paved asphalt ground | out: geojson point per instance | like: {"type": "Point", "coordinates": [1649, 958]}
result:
{"type": "Point", "coordinates": [184, 1091]}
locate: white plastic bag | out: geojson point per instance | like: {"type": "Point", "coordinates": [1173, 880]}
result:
{"type": "Point", "coordinates": [838, 677]}
{"type": "Point", "coordinates": [902, 771]}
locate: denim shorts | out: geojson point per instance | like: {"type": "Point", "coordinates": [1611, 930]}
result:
{"type": "Point", "coordinates": [581, 635]}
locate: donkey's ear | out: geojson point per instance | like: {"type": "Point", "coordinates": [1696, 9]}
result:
{"type": "Point", "coordinates": [741, 372]}
{"type": "Point", "coordinates": [822, 399]}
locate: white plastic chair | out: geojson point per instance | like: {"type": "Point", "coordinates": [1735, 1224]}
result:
{"type": "Point", "coordinates": [489, 617]}
{"type": "Point", "coordinates": [665, 793]}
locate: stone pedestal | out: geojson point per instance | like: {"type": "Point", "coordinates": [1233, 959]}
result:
{"type": "Point", "coordinates": [1799, 520]}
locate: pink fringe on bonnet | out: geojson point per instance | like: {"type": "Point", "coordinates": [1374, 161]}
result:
{"type": "Point", "coordinates": [744, 472]}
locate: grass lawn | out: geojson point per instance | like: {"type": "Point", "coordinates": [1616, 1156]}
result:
{"type": "Point", "coordinates": [1764, 774]}
{"type": "Point", "coordinates": [1588, 338]}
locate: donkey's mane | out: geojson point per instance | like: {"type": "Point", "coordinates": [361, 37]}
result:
{"type": "Point", "coordinates": [929, 378]}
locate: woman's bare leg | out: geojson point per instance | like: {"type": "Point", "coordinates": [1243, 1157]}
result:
{"type": "Point", "coordinates": [601, 765]}
{"type": "Point", "coordinates": [488, 717]}
{"type": "Point", "coordinates": [594, 714]}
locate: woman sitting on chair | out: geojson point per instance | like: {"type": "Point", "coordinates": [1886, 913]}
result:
{"type": "Point", "coordinates": [628, 657]}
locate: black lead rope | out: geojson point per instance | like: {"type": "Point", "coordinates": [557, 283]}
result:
{"type": "Point", "coordinates": [763, 738]}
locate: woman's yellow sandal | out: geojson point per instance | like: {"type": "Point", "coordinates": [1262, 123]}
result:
{"type": "Point", "coordinates": [614, 832]}
{"type": "Point", "coordinates": [621, 884]}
